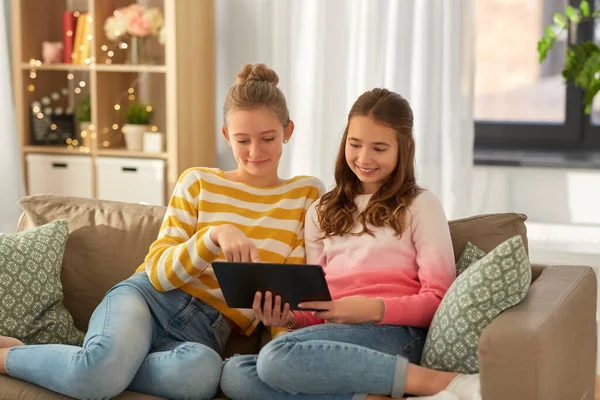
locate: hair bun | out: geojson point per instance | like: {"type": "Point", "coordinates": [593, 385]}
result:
{"type": "Point", "coordinates": [257, 72]}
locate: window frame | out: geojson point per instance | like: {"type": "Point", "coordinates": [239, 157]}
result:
{"type": "Point", "coordinates": [576, 133]}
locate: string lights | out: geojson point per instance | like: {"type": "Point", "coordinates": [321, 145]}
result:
{"type": "Point", "coordinates": [130, 93]}
{"type": "Point", "coordinates": [109, 51]}
{"type": "Point", "coordinates": [43, 111]}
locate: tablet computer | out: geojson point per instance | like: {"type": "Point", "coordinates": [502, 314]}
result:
{"type": "Point", "coordinates": [295, 283]}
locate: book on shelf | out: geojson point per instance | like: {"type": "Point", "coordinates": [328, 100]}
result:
{"type": "Point", "coordinates": [69, 27]}
{"type": "Point", "coordinates": [81, 45]}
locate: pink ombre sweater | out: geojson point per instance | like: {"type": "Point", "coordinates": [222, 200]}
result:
{"type": "Point", "coordinates": [410, 273]}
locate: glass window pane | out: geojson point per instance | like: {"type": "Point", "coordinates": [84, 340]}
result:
{"type": "Point", "coordinates": [595, 115]}
{"type": "Point", "coordinates": [510, 84]}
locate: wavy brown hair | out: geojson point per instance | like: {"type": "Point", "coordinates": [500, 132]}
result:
{"type": "Point", "coordinates": [389, 204]}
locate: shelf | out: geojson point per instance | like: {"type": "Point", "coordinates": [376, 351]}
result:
{"type": "Point", "coordinates": [53, 149]}
{"type": "Point", "coordinates": [130, 68]}
{"type": "Point", "coordinates": [56, 67]}
{"type": "Point", "coordinates": [171, 78]}
{"type": "Point", "coordinates": [97, 67]}
{"type": "Point", "coordinates": [130, 154]}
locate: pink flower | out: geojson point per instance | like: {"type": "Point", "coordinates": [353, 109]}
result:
{"type": "Point", "coordinates": [138, 26]}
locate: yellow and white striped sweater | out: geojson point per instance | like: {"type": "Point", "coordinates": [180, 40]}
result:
{"type": "Point", "coordinates": [203, 198]}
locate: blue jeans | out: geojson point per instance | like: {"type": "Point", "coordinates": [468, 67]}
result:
{"type": "Point", "coordinates": [163, 344]}
{"type": "Point", "coordinates": [327, 362]}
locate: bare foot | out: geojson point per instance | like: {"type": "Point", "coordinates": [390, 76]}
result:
{"type": "Point", "coordinates": [426, 382]}
{"type": "Point", "coordinates": [2, 357]}
{"type": "Point", "coordinates": [447, 377]}
{"type": "Point", "coordinates": [6, 341]}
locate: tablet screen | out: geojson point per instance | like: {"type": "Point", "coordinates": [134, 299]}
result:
{"type": "Point", "coordinates": [295, 283]}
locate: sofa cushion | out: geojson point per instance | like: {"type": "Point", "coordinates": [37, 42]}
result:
{"type": "Point", "coordinates": [107, 242]}
{"type": "Point", "coordinates": [498, 281]}
{"type": "Point", "coordinates": [487, 231]}
{"type": "Point", "coordinates": [15, 389]}
{"type": "Point", "coordinates": [31, 308]}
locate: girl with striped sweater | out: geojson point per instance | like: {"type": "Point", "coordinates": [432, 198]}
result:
{"type": "Point", "coordinates": [385, 247]}
{"type": "Point", "coordinates": [162, 331]}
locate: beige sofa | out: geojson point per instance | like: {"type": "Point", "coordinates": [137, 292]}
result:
{"type": "Point", "coordinates": [542, 349]}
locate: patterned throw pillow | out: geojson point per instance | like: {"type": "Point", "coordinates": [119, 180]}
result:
{"type": "Point", "coordinates": [470, 254]}
{"type": "Point", "coordinates": [30, 289]}
{"type": "Point", "coordinates": [498, 281]}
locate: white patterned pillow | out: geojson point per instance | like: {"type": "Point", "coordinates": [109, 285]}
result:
{"type": "Point", "coordinates": [496, 282]}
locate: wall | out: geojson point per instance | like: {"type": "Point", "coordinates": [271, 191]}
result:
{"type": "Point", "coordinates": [7, 11]}
{"type": "Point", "coordinates": [10, 171]}
{"type": "Point", "coordinates": [547, 195]}
{"type": "Point", "coordinates": [562, 206]}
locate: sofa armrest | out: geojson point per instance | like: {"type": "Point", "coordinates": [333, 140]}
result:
{"type": "Point", "coordinates": [545, 347]}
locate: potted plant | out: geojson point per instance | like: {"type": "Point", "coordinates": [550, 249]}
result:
{"type": "Point", "coordinates": [582, 63]}
{"type": "Point", "coordinates": [83, 116]}
{"type": "Point", "coordinates": [137, 121]}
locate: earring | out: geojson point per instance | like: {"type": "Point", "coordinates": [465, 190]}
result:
{"type": "Point", "coordinates": [285, 141]}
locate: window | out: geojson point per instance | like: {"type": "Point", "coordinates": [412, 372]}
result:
{"type": "Point", "coordinates": [519, 103]}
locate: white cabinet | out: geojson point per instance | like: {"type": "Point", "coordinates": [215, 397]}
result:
{"type": "Point", "coordinates": [131, 180]}
{"type": "Point", "coordinates": [67, 175]}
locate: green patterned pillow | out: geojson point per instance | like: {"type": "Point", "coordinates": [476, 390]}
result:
{"type": "Point", "coordinates": [498, 281]}
{"type": "Point", "coordinates": [470, 254]}
{"type": "Point", "coordinates": [31, 308]}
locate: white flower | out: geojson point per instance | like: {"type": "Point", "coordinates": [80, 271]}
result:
{"type": "Point", "coordinates": [155, 20]}
{"type": "Point", "coordinates": [115, 27]}
{"type": "Point", "coordinates": [133, 10]}
{"type": "Point", "coordinates": [162, 35]}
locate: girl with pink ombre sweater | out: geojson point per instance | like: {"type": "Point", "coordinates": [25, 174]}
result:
{"type": "Point", "coordinates": [409, 275]}
{"type": "Point", "coordinates": [384, 245]}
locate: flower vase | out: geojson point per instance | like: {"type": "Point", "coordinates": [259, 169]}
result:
{"type": "Point", "coordinates": [137, 51]}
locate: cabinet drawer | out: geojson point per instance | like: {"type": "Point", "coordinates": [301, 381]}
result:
{"type": "Point", "coordinates": [131, 180]}
{"type": "Point", "coordinates": [59, 174]}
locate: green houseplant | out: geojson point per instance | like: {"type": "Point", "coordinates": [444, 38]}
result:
{"type": "Point", "coordinates": [138, 118]}
{"type": "Point", "coordinates": [582, 64]}
{"type": "Point", "coordinates": [83, 117]}
{"type": "Point", "coordinates": [83, 110]}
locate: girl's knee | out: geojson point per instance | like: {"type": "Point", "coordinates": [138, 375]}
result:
{"type": "Point", "coordinates": [233, 368]}
{"type": "Point", "coordinates": [238, 376]}
{"type": "Point", "coordinates": [199, 371]}
{"type": "Point", "coordinates": [208, 379]}
{"type": "Point", "coordinates": [271, 364]}
{"type": "Point", "coordinates": [98, 374]}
